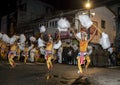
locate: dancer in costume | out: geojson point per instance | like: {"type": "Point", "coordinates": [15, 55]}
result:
{"type": "Point", "coordinates": [49, 54]}
{"type": "Point", "coordinates": [0, 46]}
{"type": "Point", "coordinates": [18, 53]}
{"type": "Point", "coordinates": [32, 54]}
{"type": "Point", "coordinates": [1, 43]}
{"type": "Point", "coordinates": [3, 50]}
{"type": "Point", "coordinates": [87, 57]}
{"type": "Point", "coordinates": [12, 54]}
{"type": "Point", "coordinates": [37, 55]}
{"type": "Point", "coordinates": [25, 53]}
{"type": "Point", "coordinates": [83, 45]}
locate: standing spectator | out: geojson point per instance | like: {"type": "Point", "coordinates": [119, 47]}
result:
{"type": "Point", "coordinates": [70, 51]}
{"type": "Point", "coordinates": [118, 58]}
{"type": "Point", "coordinates": [64, 54]}
{"type": "Point", "coordinates": [106, 57]}
{"type": "Point", "coordinates": [60, 50]}
{"type": "Point", "coordinates": [110, 55]}
{"type": "Point", "coordinates": [94, 57]}
{"type": "Point", "coordinates": [113, 58]}
{"type": "Point", "coordinates": [74, 54]}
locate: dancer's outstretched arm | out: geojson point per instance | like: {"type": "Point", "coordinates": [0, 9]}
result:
{"type": "Point", "coordinates": [59, 35]}
{"type": "Point", "coordinates": [75, 35]}
{"type": "Point", "coordinates": [92, 35]}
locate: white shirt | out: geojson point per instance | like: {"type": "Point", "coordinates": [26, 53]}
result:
{"type": "Point", "coordinates": [110, 50]}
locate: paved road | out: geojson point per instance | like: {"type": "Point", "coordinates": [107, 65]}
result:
{"type": "Point", "coordinates": [36, 74]}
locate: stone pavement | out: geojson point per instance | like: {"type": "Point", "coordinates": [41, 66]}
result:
{"type": "Point", "coordinates": [62, 74]}
{"type": "Point", "coordinates": [105, 76]}
{"type": "Point", "coordinates": [94, 75]}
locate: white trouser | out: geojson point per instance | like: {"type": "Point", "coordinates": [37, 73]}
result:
{"type": "Point", "coordinates": [32, 56]}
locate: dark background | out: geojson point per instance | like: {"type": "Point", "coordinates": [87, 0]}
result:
{"type": "Point", "coordinates": [7, 6]}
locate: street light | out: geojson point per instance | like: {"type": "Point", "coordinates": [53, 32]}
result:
{"type": "Point", "coordinates": [88, 6]}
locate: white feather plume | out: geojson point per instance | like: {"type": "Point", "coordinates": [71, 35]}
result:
{"type": "Point", "coordinates": [57, 45]}
{"type": "Point", "coordinates": [63, 24]}
{"type": "Point", "coordinates": [22, 46]}
{"type": "Point", "coordinates": [40, 43]}
{"type": "Point", "coordinates": [78, 35]}
{"type": "Point", "coordinates": [42, 51]}
{"type": "Point", "coordinates": [85, 21]}
{"type": "Point", "coordinates": [42, 29]}
{"type": "Point", "coordinates": [30, 47]}
{"type": "Point", "coordinates": [22, 38]}
{"type": "Point", "coordinates": [33, 39]}
{"type": "Point", "coordinates": [5, 38]}
{"type": "Point", "coordinates": [104, 41]}
{"type": "Point", "coordinates": [13, 39]}
{"type": "Point", "coordinates": [17, 37]}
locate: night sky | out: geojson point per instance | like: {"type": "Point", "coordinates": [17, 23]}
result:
{"type": "Point", "coordinates": [7, 6]}
{"type": "Point", "coordinates": [67, 4]}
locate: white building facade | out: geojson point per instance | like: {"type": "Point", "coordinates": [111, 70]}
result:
{"type": "Point", "coordinates": [29, 10]}
{"type": "Point", "coordinates": [103, 18]}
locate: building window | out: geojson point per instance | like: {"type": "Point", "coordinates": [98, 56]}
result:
{"type": "Point", "coordinates": [55, 24]}
{"type": "Point", "coordinates": [46, 24]}
{"type": "Point", "coordinates": [50, 24]}
{"type": "Point", "coordinates": [103, 23]}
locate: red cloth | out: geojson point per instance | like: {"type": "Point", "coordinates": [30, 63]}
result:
{"type": "Point", "coordinates": [82, 60]}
